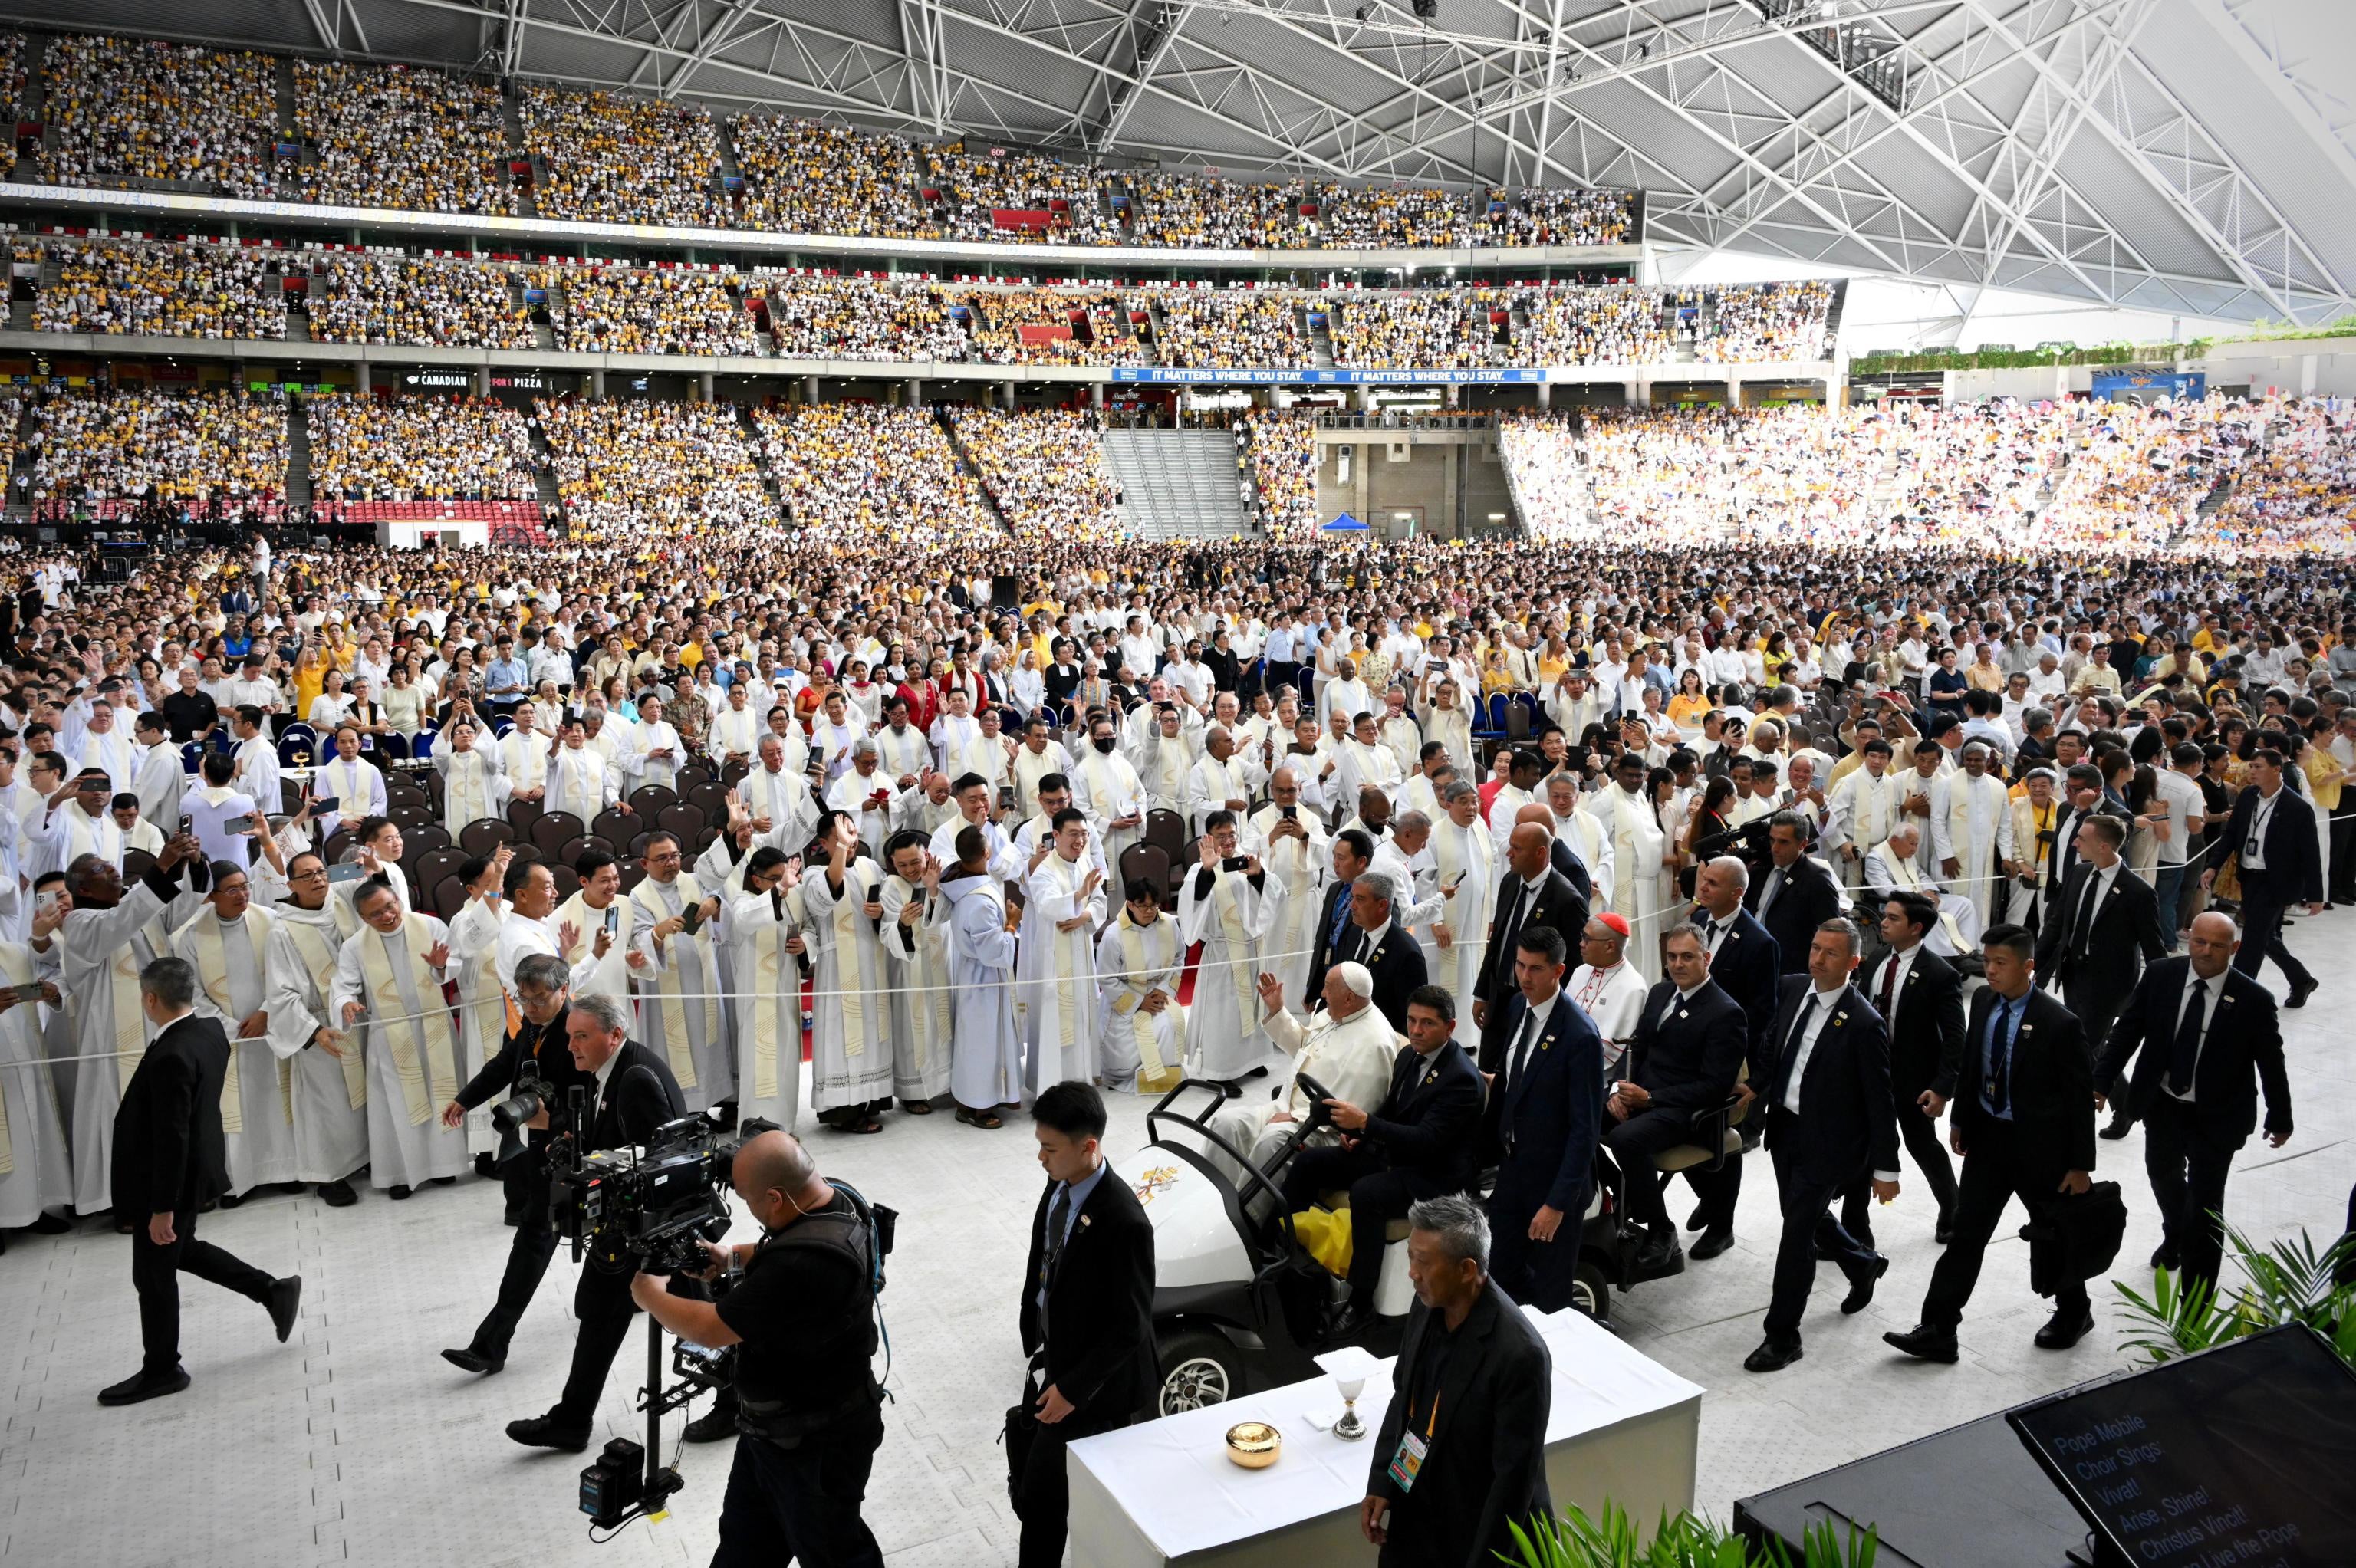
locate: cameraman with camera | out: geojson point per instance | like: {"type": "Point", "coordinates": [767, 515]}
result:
{"type": "Point", "coordinates": [634, 1094]}
{"type": "Point", "coordinates": [803, 1312]}
{"type": "Point", "coordinates": [535, 1067]}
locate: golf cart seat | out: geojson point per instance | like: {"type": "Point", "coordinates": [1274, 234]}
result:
{"type": "Point", "coordinates": [1338, 1202]}
{"type": "Point", "coordinates": [1721, 1133]}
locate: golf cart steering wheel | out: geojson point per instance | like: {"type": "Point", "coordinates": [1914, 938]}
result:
{"type": "Point", "coordinates": [1319, 1114]}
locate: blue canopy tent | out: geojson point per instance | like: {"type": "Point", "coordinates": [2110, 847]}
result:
{"type": "Point", "coordinates": [1343, 523]}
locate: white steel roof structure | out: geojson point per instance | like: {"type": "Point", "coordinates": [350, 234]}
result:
{"type": "Point", "coordinates": [2193, 157]}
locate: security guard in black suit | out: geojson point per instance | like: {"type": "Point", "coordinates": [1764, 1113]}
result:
{"type": "Point", "coordinates": [1549, 1094]}
{"type": "Point", "coordinates": [1369, 936]}
{"type": "Point", "coordinates": [1919, 996]}
{"type": "Point", "coordinates": [2203, 1036]}
{"type": "Point", "coordinates": [1531, 893]}
{"type": "Point", "coordinates": [171, 1159]}
{"type": "Point", "coordinates": [1353, 851]}
{"type": "Point", "coordinates": [2103, 926]}
{"type": "Point", "coordinates": [635, 1094]}
{"type": "Point", "coordinates": [1793, 895]}
{"type": "Point", "coordinates": [1685, 1057]}
{"type": "Point", "coordinates": [1746, 963]}
{"type": "Point", "coordinates": [2278, 861]}
{"type": "Point", "coordinates": [2024, 1123]}
{"type": "Point", "coordinates": [1419, 1143]}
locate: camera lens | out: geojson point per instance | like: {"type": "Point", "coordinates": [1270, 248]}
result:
{"type": "Point", "coordinates": [509, 1114]}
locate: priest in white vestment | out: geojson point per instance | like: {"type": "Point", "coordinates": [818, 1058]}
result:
{"type": "Point", "coordinates": [389, 985]}
{"type": "Point", "coordinates": [327, 1077]}
{"type": "Point", "coordinates": [1228, 903]}
{"type": "Point", "coordinates": [1139, 959]}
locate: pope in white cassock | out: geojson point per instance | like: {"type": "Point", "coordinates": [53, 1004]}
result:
{"type": "Point", "coordinates": [1297, 853]}
{"type": "Point", "coordinates": [986, 1069]}
{"type": "Point", "coordinates": [1347, 1046]}
{"type": "Point", "coordinates": [915, 937]}
{"type": "Point", "coordinates": [106, 936]}
{"type": "Point", "coordinates": [1230, 907]}
{"type": "Point", "coordinates": [1138, 960]}
{"type": "Point", "coordinates": [327, 1075]}
{"type": "Point", "coordinates": [227, 945]}
{"type": "Point", "coordinates": [850, 1046]}
{"type": "Point", "coordinates": [1064, 904]}
{"type": "Point", "coordinates": [388, 985]}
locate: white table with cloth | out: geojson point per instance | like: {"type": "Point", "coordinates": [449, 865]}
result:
{"type": "Point", "coordinates": [1621, 1428]}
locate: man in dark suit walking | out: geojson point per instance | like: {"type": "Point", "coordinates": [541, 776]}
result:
{"type": "Point", "coordinates": [1795, 895]}
{"type": "Point", "coordinates": [2203, 1036]}
{"type": "Point", "coordinates": [2024, 1123]}
{"type": "Point", "coordinates": [1828, 1116]}
{"type": "Point", "coordinates": [170, 1160]}
{"type": "Point", "coordinates": [1747, 965]}
{"type": "Point", "coordinates": [636, 1093]}
{"type": "Point", "coordinates": [2104, 926]}
{"type": "Point", "coordinates": [2272, 841]}
{"type": "Point", "coordinates": [1353, 852]}
{"type": "Point", "coordinates": [1461, 1458]}
{"type": "Point", "coordinates": [1420, 1142]}
{"type": "Point", "coordinates": [1684, 1057]}
{"type": "Point", "coordinates": [1087, 1315]}
{"type": "Point", "coordinates": [1919, 996]}
{"type": "Point", "coordinates": [1549, 1097]}
{"type": "Point", "coordinates": [1532, 894]}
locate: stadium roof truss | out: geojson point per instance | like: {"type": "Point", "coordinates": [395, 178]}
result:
{"type": "Point", "coordinates": [2193, 157]}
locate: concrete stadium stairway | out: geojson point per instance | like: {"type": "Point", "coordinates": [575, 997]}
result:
{"type": "Point", "coordinates": [981, 485]}
{"type": "Point", "coordinates": [35, 101]}
{"type": "Point", "coordinates": [298, 453]}
{"type": "Point", "coordinates": [752, 434]}
{"type": "Point", "coordinates": [1178, 484]}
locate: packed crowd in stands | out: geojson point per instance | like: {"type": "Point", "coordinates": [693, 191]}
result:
{"type": "Point", "coordinates": [1377, 216]}
{"type": "Point", "coordinates": [1754, 322]}
{"type": "Point", "coordinates": [1546, 467]}
{"type": "Point", "coordinates": [1207, 212]}
{"type": "Point", "coordinates": [856, 318]}
{"type": "Point", "coordinates": [1614, 324]}
{"type": "Point", "coordinates": [179, 447]}
{"type": "Point", "coordinates": [184, 289]}
{"type": "Point", "coordinates": [1278, 452]}
{"type": "Point", "coordinates": [393, 300]}
{"type": "Point", "coordinates": [643, 466]}
{"type": "Point", "coordinates": [803, 177]}
{"type": "Point", "coordinates": [860, 472]}
{"type": "Point", "coordinates": [1045, 470]}
{"type": "Point", "coordinates": [126, 110]}
{"type": "Point", "coordinates": [611, 159]}
{"type": "Point", "coordinates": [1068, 326]}
{"type": "Point", "coordinates": [2138, 475]}
{"type": "Point", "coordinates": [622, 310]}
{"type": "Point", "coordinates": [969, 190]}
{"type": "Point", "coordinates": [13, 77]}
{"type": "Point", "coordinates": [1443, 328]}
{"type": "Point", "coordinates": [2299, 493]}
{"type": "Point", "coordinates": [1557, 215]}
{"type": "Point", "coordinates": [1226, 328]}
{"type": "Point", "coordinates": [419, 449]}
{"type": "Point", "coordinates": [400, 137]}
{"type": "Point", "coordinates": [1972, 472]}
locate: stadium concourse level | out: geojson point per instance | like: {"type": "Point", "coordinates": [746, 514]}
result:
{"type": "Point", "coordinates": [2222, 477]}
{"type": "Point", "coordinates": [128, 112]}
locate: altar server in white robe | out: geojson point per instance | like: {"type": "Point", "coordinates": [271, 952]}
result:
{"type": "Point", "coordinates": [598, 908]}
{"type": "Point", "coordinates": [351, 781]}
{"type": "Point", "coordinates": [327, 1075]}
{"type": "Point", "coordinates": [1463, 880]}
{"type": "Point", "coordinates": [1297, 852]}
{"type": "Point", "coordinates": [1064, 903]}
{"type": "Point", "coordinates": [761, 928]}
{"type": "Point", "coordinates": [35, 1172]}
{"type": "Point", "coordinates": [734, 729]}
{"type": "Point", "coordinates": [682, 1003]}
{"type": "Point", "coordinates": [1106, 785]}
{"type": "Point", "coordinates": [1347, 1045]}
{"type": "Point", "coordinates": [1971, 830]}
{"type": "Point", "coordinates": [388, 986]}
{"type": "Point", "coordinates": [1606, 987]}
{"type": "Point", "coordinates": [473, 787]}
{"type": "Point", "coordinates": [1231, 913]}
{"type": "Point", "coordinates": [108, 934]}
{"type": "Point", "coordinates": [1400, 731]}
{"type": "Point", "coordinates": [610, 735]}
{"type": "Point", "coordinates": [986, 1049]}
{"type": "Point", "coordinates": [868, 793]}
{"type": "Point", "coordinates": [1637, 844]}
{"type": "Point", "coordinates": [482, 1010]}
{"type": "Point", "coordinates": [915, 937]}
{"type": "Point", "coordinates": [227, 945]}
{"type": "Point", "coordinates": [1447, 722]}
{"type": "Point", "coordinates": [1035, 839]}
{"type": "Point", "coordinates": [1895, 868]}
{"type": "Point", "coordinates": [659, 748]}
{"type": "Point", "coordinates": [850, 1046]}
{"type": "Point", "coordinates": [1222, 779]}
{"type": "Point", "coordinates": [1861, 811]}
{"type": "Point", "coordinates": [105, 743]}
{"type": "Point", "coordinates": [960, 745]}
{"type": "Point", "coordinates": [785, 813]}
{"type": "Point", "coordinates": [974, 803]}
{"type": "Point", "coordinates": [159, 778]}
{"type": "Point", "coordinates": [1139, 959]}
{"type": "Point", "coordinates": [579, 781]}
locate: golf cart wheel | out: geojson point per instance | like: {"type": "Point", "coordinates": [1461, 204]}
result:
{"type": "Point", "coordinates": [1198, 1368]}
{"type": "Point", "coordinates": [1590, 1293]}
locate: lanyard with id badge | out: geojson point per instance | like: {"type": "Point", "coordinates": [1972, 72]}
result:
{"type": "Point", "coordinates": [1407, 1462]}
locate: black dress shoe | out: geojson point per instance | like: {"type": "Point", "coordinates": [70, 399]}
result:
{"type": "Point", "coordinates": [2063, 1330]}
{"type": "Point", "coordinates": [337, 1194]}
{"type": "Point", "coordinates": [1660, 1254]}
{"type": "Point", "coordinates": [485, 1164]}
{"type": "Point", "coordinates": [1925, 1343]}
{"type": "Point", "coordinates": [398, 1192]}
{"type": "Point", "coordinates": [541, 1432]}
{"type": "Point", "coordinates": [1349, 1320]}
{"type": "Point", "coordinates": [714, 1426]}
{"type": "Point", "coordinates": [1694, 1220]}
{"type": "Point", "coordinates": [284, 1300]}
{"type": "Point", "coordinates": [2116, 1127]}
{"type": "Point", "coordinates": [2302, 990]}
{"type": "Point", "coordinates": [1232, 1088]}
{"type": "Point", "coordinates": [1771, 1357]}
{"type": "Point", "coordinates": [1257, 1072]}
{"type": "Point", "coordinates": [229, 1200]}
{"type": "Point", "coordinates": [1860, 1288]}
{"type": "Point", "coordinates": [2166, 1256]}
{"type": "Point", "coordinates": [1712, 1243]}
{"type": "Point", "coordinates": [445, 1181]}
{"type": "Point", "coordinates": [473, 1360]}
{"type": "Point", "coordinates": [132, 1389]}
{"type": "Point", "coordinates": [1945, 1232]}
{"type": "Point", "coordinates": [51, 1225]}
